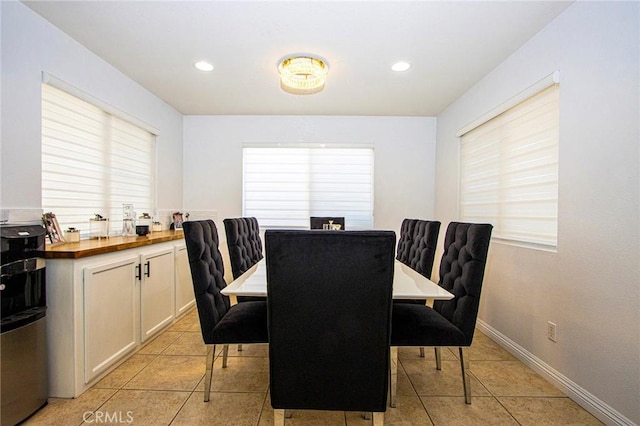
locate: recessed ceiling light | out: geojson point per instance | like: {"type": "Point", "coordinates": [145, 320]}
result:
{"type": "Point", "coordinates": [401, 66]}
{"type": "Point", "coordinates": [203, 66]}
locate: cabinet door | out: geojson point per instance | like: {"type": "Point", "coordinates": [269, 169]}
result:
{"type": "Point", "coordinates": [185, 297]}
{"type": "Point", "coordinates": [157, 288]}
{"type": "Point", "coordinates": [109, 314]}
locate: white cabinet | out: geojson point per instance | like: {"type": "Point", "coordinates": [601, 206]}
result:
{"type": "Point", "coordinates": [157, 294]}
{"type": "Point", "coordinates": [185, 298]}
{"type": "Point", "coordinates": [104, 307]}
{"type": "Point", "coordinates": [109, 314]}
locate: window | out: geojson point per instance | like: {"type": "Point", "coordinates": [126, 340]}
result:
{"type": "Point", "coordinates": [283, 186]}
{"type": "Point", "coordinates": [92, 162]}
{"type": "Point", "coordinates": [509, 171]}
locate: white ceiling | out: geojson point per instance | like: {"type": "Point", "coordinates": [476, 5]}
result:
{"type": "Point", "coordinates": [450, 44]}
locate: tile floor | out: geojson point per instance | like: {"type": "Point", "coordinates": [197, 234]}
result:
{"type": "Point", "coordinates": [162, 384]}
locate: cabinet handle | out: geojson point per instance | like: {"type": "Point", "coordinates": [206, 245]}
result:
{"type": "Point", "coordinates": [147, 267]}
{"type": "Point", "coordinates": [139, 272]}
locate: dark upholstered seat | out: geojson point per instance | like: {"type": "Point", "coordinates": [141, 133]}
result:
{"type": "Point", "coordinates": [316, 222]}
{"type": "Point", "coordinates": [329, 309]}
{"type": "Point", "coordinates": [220, 322]}
{"type": "Point", "coordinates": [451, 322]}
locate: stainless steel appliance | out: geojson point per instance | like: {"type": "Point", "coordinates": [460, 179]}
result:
{"type": "Point", "coordinates": [23, 342]}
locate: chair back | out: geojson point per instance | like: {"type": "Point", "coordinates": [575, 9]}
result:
{"type": "Point", "coordinates": [405, 240]}
{"type": "Point", "coordinates": [329, 310]}
{"type": "Point", "coordinates": [207, 273]}
{"type": "Point", "coordinates": [422, 248]}
{"type": "Point", "coordinates": [461, 272]}
{"type": "Point", "coordinates": [316, 222]}
{"type": "Point", "coordinates": [244, 242]}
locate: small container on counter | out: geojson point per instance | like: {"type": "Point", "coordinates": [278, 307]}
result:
{"type": "Point", "coordinates": [144, 220]}
{"type": "Point", "coordinates": [72, 235]}
{"type": "Point", "coordinates": [99, 227]}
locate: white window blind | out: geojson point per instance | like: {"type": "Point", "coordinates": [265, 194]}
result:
{"type": "Point", "coordinates": [92, 163]}
{"type": "Point", "coordinates": [284, 186]}
{"type": "Point", "coordinates": [509, 171]}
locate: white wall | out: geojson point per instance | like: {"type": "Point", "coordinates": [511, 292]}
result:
{"type": "Point", "coordinates": [31, 45]}
{"type": "Point", "coordinates": [404, 159]}
{"type": "Point", "coordinates": [591, 287]}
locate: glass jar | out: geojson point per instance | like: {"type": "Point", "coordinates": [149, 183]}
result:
{"type": "Point", "coordinates": [128, 221]}
{"type": "Point", "coordinates": [99, 228]}
{"type": "Point", "coordinates": [128, 227]}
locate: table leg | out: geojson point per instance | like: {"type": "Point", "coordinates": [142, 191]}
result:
{"type": "Point", "coordinates": [393, 375]}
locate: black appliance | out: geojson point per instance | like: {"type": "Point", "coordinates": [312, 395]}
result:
{"type": "Point", "coordinates": [23, 307]}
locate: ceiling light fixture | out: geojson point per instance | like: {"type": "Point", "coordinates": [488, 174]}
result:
{"type": "Point", "coordinates": [203, 66]}
{"type": "Point", "coordinates": [401, 66]}
{"type": "Point", "coordinates": [302, 75]}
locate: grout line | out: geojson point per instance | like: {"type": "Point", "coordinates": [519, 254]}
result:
{"type": "Point", "coordinates": [414, 389]}
{"type": "Point", "coordinates": [471, 373]}
{"type": "Point", "coordinates": [183, 405]}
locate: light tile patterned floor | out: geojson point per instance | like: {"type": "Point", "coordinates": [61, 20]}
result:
{"type": "Point", "coordinates": [162, 384]}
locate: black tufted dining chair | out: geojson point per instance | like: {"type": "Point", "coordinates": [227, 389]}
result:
{"type": "Point", "coordinates": [330, 299]}
{"type": "Point", "coordinates": [245, 245]}
{"type": "Point", "coordinates": [405, 240]}
{"type": "Point", "coordinates": [220, 322]}
{"type": "Point", "coordinates": [417, 244]}
{"type": "Point", "coordinates": [450, 322]}
{"type": "Point", "coordinates": [422, 249]}
{"type": "Point", "coordinates": [417, 249]}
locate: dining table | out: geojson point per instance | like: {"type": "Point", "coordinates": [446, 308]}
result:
{"type": "Point", "coordinates": [407, 284]}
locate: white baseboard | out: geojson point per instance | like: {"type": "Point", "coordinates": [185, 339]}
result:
{"type": "Point", "coordinates": [581, 396]}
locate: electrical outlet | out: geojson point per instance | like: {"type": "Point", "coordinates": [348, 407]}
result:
{"type": "Point", "coordinates": [551, 331]}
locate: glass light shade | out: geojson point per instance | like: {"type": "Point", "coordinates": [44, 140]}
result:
{"type": "Point", "coordinates": [302, 75]}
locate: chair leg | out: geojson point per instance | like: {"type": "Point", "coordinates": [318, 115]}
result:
{"type": "Point", "coordinates": [421, 352]}
{"type": "Point", "coordinates": [393, 376]}
{"type": "Point", "coordinates": [211, 350]}
{"type": "Point", "coordinates": [466, 383]}
{"type": "Point", "coordinates": [378, 419]}
{"type": "Point", "coordinates": [278, 417]}
{"type": "Point", "coordinates": [225, 355]}
{"type": "Point", "coordinates": [438, 358]}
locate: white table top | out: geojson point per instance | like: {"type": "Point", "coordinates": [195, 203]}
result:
{"type": "Point", "coordinates": [407, 284]}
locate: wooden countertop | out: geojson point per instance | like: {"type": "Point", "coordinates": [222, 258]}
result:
{"type": "Point", "coordinates": [93, 247]}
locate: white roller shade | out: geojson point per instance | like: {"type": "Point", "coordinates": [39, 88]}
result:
{"type": "Point", "coordinates": [509, 171]}
{"type": "Point", "coordinates": [284, 186]}
{"type": "Point", "coordinates": [92, 162]}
